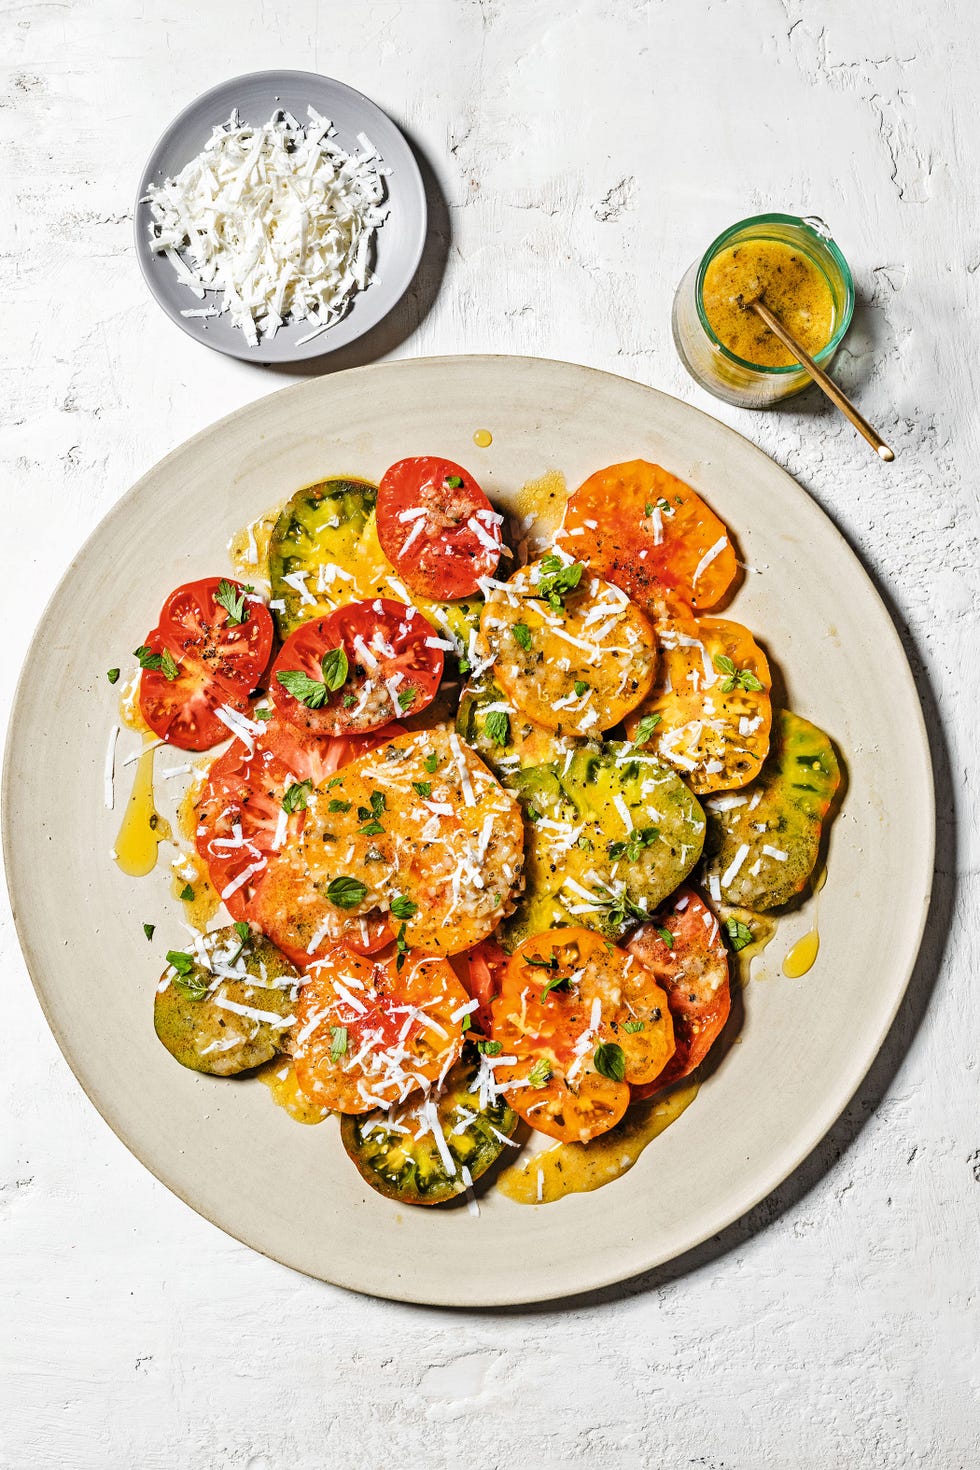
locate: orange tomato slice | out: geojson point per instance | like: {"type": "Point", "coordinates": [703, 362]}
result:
{"type": "Point", "coordinates": [653, 536]}
{"type": "Point", "coordinates": [582, 1020]}
{"type": "Point", "coordinates": [712, 700]}
{"type": "Point", "coordinates": [576, 664]}
{"type": "Point", "coordinates": [368, 1034]}
{"type": "Point", "coordinates": [693, 970]}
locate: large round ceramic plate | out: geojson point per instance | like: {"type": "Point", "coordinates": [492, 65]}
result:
{"type": "Point", "coordinates": [290, 1191]}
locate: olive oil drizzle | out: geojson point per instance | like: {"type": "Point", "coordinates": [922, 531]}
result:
{"type": "Point", "coordinates": [576, 1168]}
{"type": "Point", "coordinates": [801, 957]}
{"type": "Point", "coordinates": [142, 828]}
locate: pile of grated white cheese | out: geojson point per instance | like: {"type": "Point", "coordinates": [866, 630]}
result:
{"type": "Point", "coordinates": [279, 219]}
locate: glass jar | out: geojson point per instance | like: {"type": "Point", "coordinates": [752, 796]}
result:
{"type": "Point", "coordinates": [747, 384]}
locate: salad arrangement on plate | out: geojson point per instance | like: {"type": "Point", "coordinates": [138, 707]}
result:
{"type": "Point", "coordinates": [493, 815]}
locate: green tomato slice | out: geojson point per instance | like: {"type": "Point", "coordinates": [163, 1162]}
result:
{"type": "Point", "coordinates": [321, 526]}
{"type": "Point", "coordinates": [763, 841]}
{"type": "Point", "coordinates": [413, 1170]}
{"type": "Point", "coordinates": [611, 833]}
{"type": "Point", "coordinates": [229, 1015]}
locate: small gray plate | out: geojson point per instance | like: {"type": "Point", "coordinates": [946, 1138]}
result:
{"type": "Point", "coordinates": [398, 243]}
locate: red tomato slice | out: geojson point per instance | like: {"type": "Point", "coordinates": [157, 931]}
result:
{"type": "Point", "coordinates": [694, 973]}
{"type": "Point", "coordinates": [480, 969]}
{"type": "Point", "coordinates": [437, 527]}
{"type": "Point", "coordinates": [394, 665]}
{"type": "Point", "coordinates": [219, 662]}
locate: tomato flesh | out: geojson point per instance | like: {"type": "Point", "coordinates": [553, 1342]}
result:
{"type": "Point", "coordinates": [640, 527]}
{"type": "Point", "coordinates": [362, 1037]}
{"type": "Point", "coordinates": [238, 812]}
{"type": "Point", "coordinates": [219, 663]}
{"type": "Point", "coordinates": [574, 1010]}
{"type": "Point", "coordinates": [693, 970]}
{"type": "Point", "coordinates": [437, 527]}
{"type": "Point", "coordinates": [394, 665]}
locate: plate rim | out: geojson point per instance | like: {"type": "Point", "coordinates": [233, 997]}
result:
{"type": "Point", "coordinates": [781, 1167]}
{"type": "Point", "coordinates": [319, 346]}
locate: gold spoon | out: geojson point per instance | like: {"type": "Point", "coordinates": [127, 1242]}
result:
{"type": "Point", "coordinates": [820, 378]}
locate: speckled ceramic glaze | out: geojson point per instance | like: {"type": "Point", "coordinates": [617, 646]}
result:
{"type": "Point", "coordinates": [290, 1191]}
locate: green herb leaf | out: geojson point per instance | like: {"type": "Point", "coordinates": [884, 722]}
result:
{"type": "Point", "coordinates": [160, 663]}
{"type": "Point", "coordinates": [378, 802]}
{"type": "Point", "coordinates": [308, 691]}
{"type": "Point", "coordinates": [464, 665]}
{"type": "Point", "coordinates": [372, 828]}
{"type": "Point", "coordinates": [262, 714]}
{"type": "Point", "coordinates": [187, 893]}
{"type": "Point", "coordinates": [645, 729]}
{"type": "Point", "coordinates": [345, 892]}
{"type": "Point", "coordinates": [112, 675]}
{"type": "Point", "coordinates": [497, 726]}
{"type": "Point", "coordinates": [334, 781]}
{"type": "Point", "coordinates": [739, 934]}
{"type": "Point", "coordinates": [194, 986]}
{"type": "Point", "coordinates": [401, 944]}
{"type": "Point", "coordinates": [610, 1060]}
{"type": "Point", "coordinates": [339, 1042]}
{"type": "Point", "coordinates": [522, 635]}
{"type": "Point", "coordinates": [723, 663]}
{"type": "Point", "coordinates": [336, 805]}
{"type": "Point", "coordinates": [349, 701]}
{"type": "Point", "coordinates": [749, 681]}
{"type": "Point", "coordinates": [664, 505]}
{"type": "Point", "coordinates": [648, 508]}
{"type": "Point", "coordinates": [149, 929]}
{"type": "Point", "coordinates": [540, 1073]}
{"type": "Point", "coordinates": [634, 844]}
{"type": "Point", "coordinates": [580, 687]}
{"type": "Point", "coordinates": [424, 788]}
{"type": "Point", "coordinates": [243, 930]}
{"type": "Point", "coordinates": [232, 600]}
{"type": "Point", "coordinates": [453, 482]}
{"type": "Point", "coordinates": [559, 580]}
{"type": "Point", "coordinates": [406, 698]}
{"type": "Point", "coordinates": [632, 1027]}
{"type": "Point", "coordinates": [557, 982]}
{"type": "Point", "coordinates": [466, 1023]}
{"type": "Point", "coordinates": [431, 762]}
{"type": "Point", "coordinates": [294, 797]}
{"type": "Point", "coordinates": [551, 963]}
{"type": "Point", "coordinates": [667, 937]}
{"type": "Point", "coordinates": [403, 908]}
{"type": "Point", "coordinates": [490, 1048]}
{"type": "Point", "coordinates": [335, 668]}
{"type": "Point", "coordinates": [182, 962]}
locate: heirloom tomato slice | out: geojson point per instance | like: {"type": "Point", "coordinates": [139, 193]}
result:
{"type": "Point", "coordinates": [640, 527]}
{"type": "Point", "coordinates": [437, 527]}
{"type": "Point", "coordinates": [204, 654]}
{"type": "Point", "coordinates": [683, 949]}
{"type": "Point", "coordinates": [357, 669]}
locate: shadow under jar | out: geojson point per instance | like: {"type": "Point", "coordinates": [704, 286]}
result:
{"type": "Point", "coordinates": [792, 262]}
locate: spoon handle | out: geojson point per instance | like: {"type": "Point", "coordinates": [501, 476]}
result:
{"type": "Point", "coordinates": [839, 399]}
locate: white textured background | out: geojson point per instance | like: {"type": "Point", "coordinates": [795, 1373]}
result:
{"type": "Point", "coordinates": [578, 162]}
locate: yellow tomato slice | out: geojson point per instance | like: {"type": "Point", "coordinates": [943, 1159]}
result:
{"type": "Point", "coordinates": [711, 703]}
{"type": "Point", "coordinates": [649, 533]}
{"type": "Point", "coordinates": [571, 651]}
